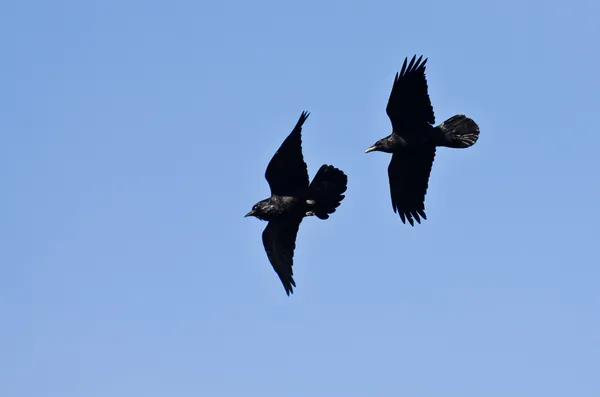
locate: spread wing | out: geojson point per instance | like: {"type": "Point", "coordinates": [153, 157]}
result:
{"type": "Point", "coordinates": [279, 239]}
{"type": "Point", "coordinates": [409, 107]}
{"type": "Point", "coordinates": [286, 172]}
{"type": "Point", "coordinates": [409, 173]}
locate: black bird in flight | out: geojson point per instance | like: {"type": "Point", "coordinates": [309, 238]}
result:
{"type": "Point", "coordinates": [293, 198]}
{"type": "Point", "coordinates": [414, 139]}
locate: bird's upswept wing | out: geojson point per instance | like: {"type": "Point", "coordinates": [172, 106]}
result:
{"type": "Point", "coordinates": [409, 107]}
{"type": "Point", "coordinates": [287, 172]}
{"type": "Point", "coordinates": [279, 239]}
{"type": "Point", "coordinates": [409, 173]}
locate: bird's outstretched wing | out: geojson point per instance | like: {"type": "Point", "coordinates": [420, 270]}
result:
{"type": "Point", "coordinates": [409, 107]}
{"type": "Point", "coordinates": [409, 173]}
{"type": "Point", "coordinates": [286, 172]}
{"type": "Point", "coordinates": [279, 239]}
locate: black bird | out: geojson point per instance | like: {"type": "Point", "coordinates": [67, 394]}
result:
{"type": "Point", "coordinates": [414, 139]}
{"type": "Point", "coordinates": [293, 198]}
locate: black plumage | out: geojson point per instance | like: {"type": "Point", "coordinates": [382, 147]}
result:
{"type": "Point", "coordinates": [292, 199]}
{"type": "Point", "coordinates": [414, 139]}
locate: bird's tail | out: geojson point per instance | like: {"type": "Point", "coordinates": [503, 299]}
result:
{"type": "Point", "coordinates": [458, 132]}
{"type": "Point", "coordinates": [326, 191]}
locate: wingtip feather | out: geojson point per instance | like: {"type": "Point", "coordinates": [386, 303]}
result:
{"type": "Point", "coordinates": [419, 61]}
{"type": "Point", "coordinates": [403, 67]}
{"type": "Point", "coordinates": [412, 62]}
{"type": "Point", "coordinates": [303, 116]}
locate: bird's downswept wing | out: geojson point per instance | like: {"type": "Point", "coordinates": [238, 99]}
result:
{"type": "Point", "coordinates": [279, 239]}
{"type": "Point", "coordinates": [409, 172]}
{"type": "Point", "coordinates": [409, 107]}
{"type": "Point", "coordinates": [287, 172]}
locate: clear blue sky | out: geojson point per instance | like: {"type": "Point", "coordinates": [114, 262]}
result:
{"type": "Point", "coordinates": [134, 136]}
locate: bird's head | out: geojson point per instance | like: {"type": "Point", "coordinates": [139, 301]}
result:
{"type": "Point", "coordinates": [382, 145]}
{"type": "Point", "coordinates": [260, 210]}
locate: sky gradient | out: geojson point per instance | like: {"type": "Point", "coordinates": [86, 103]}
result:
{"type": "Point", "coordinates": [134, 137]}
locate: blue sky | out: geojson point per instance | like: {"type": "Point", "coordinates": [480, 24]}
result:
{"type": "Point", "coordinates": [134, 137]}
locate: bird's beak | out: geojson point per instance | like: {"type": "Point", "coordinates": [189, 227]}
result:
{"type": "Point", "coordinates": [249, 214]}
{"type": "Point", "coordinates": [370, 149]}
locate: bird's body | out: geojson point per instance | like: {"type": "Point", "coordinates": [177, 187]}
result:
{"type": "Point", "coordinates": [280, 207]}
{"type": "Point", "coordinates": [395, 142]}
{"type": "Point", "coordinates": [414, 139]}
{"type": "Point", "coordinates": [292, 199]}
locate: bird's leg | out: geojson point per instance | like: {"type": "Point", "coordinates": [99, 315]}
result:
{"type": "Point", "coordinates": [310, 203]}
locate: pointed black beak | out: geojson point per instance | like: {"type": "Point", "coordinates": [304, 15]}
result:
{"type": "Point", "coordinates": [249, 214]}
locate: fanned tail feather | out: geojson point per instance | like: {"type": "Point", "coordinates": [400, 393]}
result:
{"type": "Point", "coordinates": [458, 132]}
{"type": "Point", "coordinates": [326, 191]}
